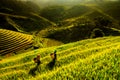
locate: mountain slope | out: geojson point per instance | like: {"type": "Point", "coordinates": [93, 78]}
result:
{"type": "Point", "coordinates": [11, 41]}
{"type": "Point", "coordinates": [87, 59]}
{"type": "Point", "coordinates": [22, 16]}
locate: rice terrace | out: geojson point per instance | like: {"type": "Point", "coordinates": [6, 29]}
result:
{"type": "Point", "coordinates": [59, 40]}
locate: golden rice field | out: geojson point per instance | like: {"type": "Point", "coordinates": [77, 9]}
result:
{"type": "Point", "coordinates": [13, 41]}
{"type": "Point", "coordinates": [90, 59]}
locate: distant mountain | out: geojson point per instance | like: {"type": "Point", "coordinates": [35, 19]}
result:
{"type": "Point", "coordinates": [15, 7]}
{"type": "Point", "coordinates": [111, 8]}
{"type": "Point", "coordinates": [21, 16]}
{"type": "Point", "coordinates": [56, 20]}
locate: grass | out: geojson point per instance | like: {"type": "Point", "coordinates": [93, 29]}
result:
{"type": "Point", "coordinates": [87, 59]}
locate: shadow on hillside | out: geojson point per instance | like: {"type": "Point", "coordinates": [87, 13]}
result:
{"type": "Point", "coordinates": [33, 70]}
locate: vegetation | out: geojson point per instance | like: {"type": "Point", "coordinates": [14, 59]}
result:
{"type": "Point", "coordinates": [90, 31]}
{"type": "Point", "coordinates": [112, 11]}
{"type": "Point", "coordinates": [47, 22]}
{"type": "Point", "coordinates": [54, 13]}
{"type": "Point", "coordinates": [97, 33]}
{"type": "Point", "coordinates": [87, 59]}
{"type": "Point", "coordinates": [11, 41]}
{"type": "Point", "coordinates": [18, 7]}
{"type": "Point", "coordinates": [79, 29]}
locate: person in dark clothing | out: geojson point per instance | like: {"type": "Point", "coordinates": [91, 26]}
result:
{"type": "Point", "coordinates": [54, 58]}
{"type": "Point", "coordinates": [37, 60]}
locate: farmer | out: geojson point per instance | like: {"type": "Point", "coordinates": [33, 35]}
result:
{"type": "Point", "coordinates": [33, 70]}
{"type": "Point", "coordinates": [37, 60]}
{"type": "Point", "coordinates": [51, 64]}
{"type": "Point", "coordinates": [54, 56]}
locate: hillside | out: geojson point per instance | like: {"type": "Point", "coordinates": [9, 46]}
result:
{"type": "Point", "coordinates": [81, 28]}
{"type": "Point", "coordinates": [22, 16]}
{"type": "Point", "coordinates": [79, 22]}
{"type": "Point", "coordinates": [11, 41]}
{"type": "Point", "coordinates": [83, 18]}
{"type": "Point", "coordinates": [85, 34]}
{"type": "Point", "coordinates": [112, 11]}
{"type": "Point", "coordinates": [20, 23]}
{"type": "Point", "coordinates": [87, 59]}
{"type": "Point", "coordinates": [54, 25]}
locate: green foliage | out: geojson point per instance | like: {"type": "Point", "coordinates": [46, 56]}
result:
{"type": "Point", "coordinates": [97, 33]}
{"type": "Point", "coordinates": [37, 42]}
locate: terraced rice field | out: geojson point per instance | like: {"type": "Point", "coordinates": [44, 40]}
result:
{"type": "Point", "coordinates": [12, 41]}
{"type": "Point", "coordinates": [91, 59]}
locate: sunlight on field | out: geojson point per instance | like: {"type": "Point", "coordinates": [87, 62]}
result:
{"type": "Point", "coordinates": [86, 59]}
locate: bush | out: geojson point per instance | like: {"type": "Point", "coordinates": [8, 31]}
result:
{"type": "Point", "coordinates": [97, 33]}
